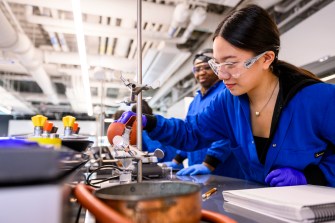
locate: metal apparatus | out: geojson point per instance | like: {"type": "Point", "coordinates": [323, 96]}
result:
{"type": "Point", "coordinates": [126, 155]}
{"type": "Point", "coordinates": [123, 136]}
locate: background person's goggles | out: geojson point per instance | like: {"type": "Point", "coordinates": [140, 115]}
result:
{"type": "Point", "coordinates": [204, 67]}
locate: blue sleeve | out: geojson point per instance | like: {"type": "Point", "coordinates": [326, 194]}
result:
{"type": "Point", "coordinates": [220, 150]}
{"type": "Point", "coordinates": [327, 164]}
{"type": "Point", "coordinates": [149, 144]}
{"type": "Point", "coordinates": [182, 153]}
{"type": "Point", "coordinates": [196, 131]}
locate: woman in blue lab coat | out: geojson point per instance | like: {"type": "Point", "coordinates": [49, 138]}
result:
{"type": "Point", "coordinates": [215, 159]}
{"type": "Point", "coordinates": [278, 118]}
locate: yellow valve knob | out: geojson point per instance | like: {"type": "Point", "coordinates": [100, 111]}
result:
{"type": "Point", "coordinates": [68, 121]}
{"type": "Point", "coordinates": [38, 120]}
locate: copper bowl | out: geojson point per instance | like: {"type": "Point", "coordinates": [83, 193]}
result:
{"type": "Point", "coordinates": [147, 202]}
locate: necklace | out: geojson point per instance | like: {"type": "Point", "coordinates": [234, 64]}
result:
{"type": "Point", "coordinates": [258, 113]}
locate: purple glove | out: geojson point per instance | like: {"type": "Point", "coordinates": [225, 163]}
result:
{"type": "Point", "coordinates": [285, 176]}
{"type": "Point", "coordinates": [197, 169]}
{"type": "Point", "coordinates": [127, 115]}
{"type": "Point", "coordinates": [174, 165]}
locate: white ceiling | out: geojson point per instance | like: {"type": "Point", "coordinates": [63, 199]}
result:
{"type": "Point", "coordinates": [40, 65]}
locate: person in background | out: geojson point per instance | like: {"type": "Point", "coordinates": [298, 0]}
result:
{"type": "Point", "coordinates": [279, 119]}
{"type": "Point", "coordinates": [118, 114]}
{"type": "Point", "coordinates": [151, 145]}
{"type": "Point", "coordinates": [216, 159]}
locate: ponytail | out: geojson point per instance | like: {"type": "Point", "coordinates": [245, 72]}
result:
{"type": "Point", "coordinates": [280, 67]}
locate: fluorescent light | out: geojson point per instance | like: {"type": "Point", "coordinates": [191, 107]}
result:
{"type": "Point", "coordinates": [78, 22]}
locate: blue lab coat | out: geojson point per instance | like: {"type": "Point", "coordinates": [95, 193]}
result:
{"type": "Point", "coordinates": [228, 165]}
{"type": "Point", "coordinates": [302, 129]}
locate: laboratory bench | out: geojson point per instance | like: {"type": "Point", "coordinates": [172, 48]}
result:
{"type": "Point", "coordinates": [216, 203]}
{"type": "Point", "coordinates": [49, 197]}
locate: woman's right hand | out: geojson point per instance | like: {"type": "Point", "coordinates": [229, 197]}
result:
{"type": "Point", "coordinates": [127, 115]}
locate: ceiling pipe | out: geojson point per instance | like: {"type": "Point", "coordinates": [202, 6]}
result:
{"type": "Point", "coordinates": [198, 17]}
{"type": "Point", "coordinates": [12, 16]}
{"type": "Point", "coordinates": [157, 13]}
{"type": "Point", "coordinates": [94, 29]}
{"type": "Point", "coordinates": [98, 30]}
{"type": "Point", "coordinates": [180, 16]}
{"type": "Point", "coordinates": [284, 9]}
{"type": "Point", "coordinates": [180, 73]}
{"type": "Point", "coordinates": [29, 57]}
{"type": "Point", "coordinates": [297, 13]}
{"type": "Point", "coordinates": [114, 63]}
{"type": "Point", "coordinates": [163, 14]}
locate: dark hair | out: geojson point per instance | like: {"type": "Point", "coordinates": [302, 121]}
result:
{"type": "Point", "coordinates": [251, 28]}
{"type": "Point", "coordinates": [118, 114]}
{"type": "Point", "coordinates": [204, 55]}
{"type": "Point", "coordinates": [146, 109]}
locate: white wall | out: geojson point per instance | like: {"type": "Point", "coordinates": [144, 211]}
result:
{"type": "Point", "coordinates": [179, 110]}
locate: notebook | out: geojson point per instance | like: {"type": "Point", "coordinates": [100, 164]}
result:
{"type": "Point", "coordinates": [304, 203]}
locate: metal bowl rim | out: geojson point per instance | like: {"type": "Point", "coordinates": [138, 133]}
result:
{"type": "Point", "coordinates": [146, 197]}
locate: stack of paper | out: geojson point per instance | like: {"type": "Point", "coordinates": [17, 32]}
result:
{"type": "Point", "coordinates": [305, 203]}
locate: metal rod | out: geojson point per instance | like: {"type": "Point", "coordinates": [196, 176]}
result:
{"type": "Point", "coordinates": [139, 81]}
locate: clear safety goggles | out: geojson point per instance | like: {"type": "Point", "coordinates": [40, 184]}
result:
{"type": "Point", "coordinates": [204, 67]}
{"type": "Point", "coordinates": [233, 68]}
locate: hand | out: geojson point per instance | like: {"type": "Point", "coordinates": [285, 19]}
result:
{"type": "Point", "coordinates": [174, 165]}
{"type": "Point", "coordinates": [127, 115]}
{"type": "Point", "coordinates": [197, 169]}
{"type": "Point", "coordinates": [285, 176]}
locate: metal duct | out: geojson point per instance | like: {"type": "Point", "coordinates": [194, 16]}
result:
{"type": "Point", "coordinates": [197, 18]}
{"type": "Point", "coordinates": [180, 73]}
{"type": "Point", "coordinates": [297, 13]}
{"type": "Point", "coordinates": [152, 12]}
{"type": "Point", "coordinates": [29, 57]}
{"type": "Point", "coordinates": [115, 63]}
{"type": "Point", "coordinates": [286, 8]}
{"type": "Point", "coordinates": [94, 29]}
{"type": "Point", "coordinates": [180, 15]}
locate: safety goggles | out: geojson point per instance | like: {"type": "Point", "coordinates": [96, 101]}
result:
{"type": "Point", "coordinates": [204, 67]}
{"type": "Point", "coordinates": [233, 68]}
